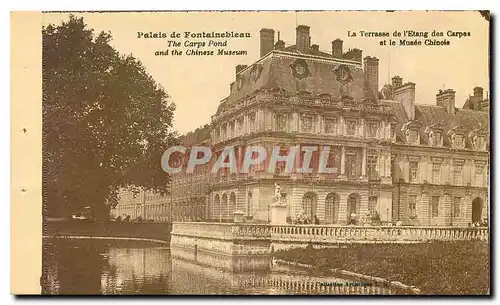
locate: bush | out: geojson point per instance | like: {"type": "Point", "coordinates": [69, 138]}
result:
{"type": "Point", "coordinates": [435, 268]}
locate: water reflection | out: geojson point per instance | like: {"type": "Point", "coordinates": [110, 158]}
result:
{"type": "Point", "coordinates": [111, 267]}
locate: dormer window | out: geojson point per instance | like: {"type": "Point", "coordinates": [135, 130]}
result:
{"type": "Point", "coordinates": [412, 136]}
{"type": "Point", "coordinates": [437, 138]}
{"type": "Point", "coordinates": [478, 139]}
{"type": "Point", "coordinates": [435, 135]}
{"type": "Point", "coordinates": [411, 132]}
{"type": "Point", "coordinates": [434, 138]}
{"type": "Point", "coordinates": [458, 141]}
{"type": "Point", "coordinates": [481, 143]}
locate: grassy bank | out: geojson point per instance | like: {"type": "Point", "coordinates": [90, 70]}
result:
{"type": "Point", "coordinates": [159, 231]}
{"type": "Point", "coordinates": [435, 268]}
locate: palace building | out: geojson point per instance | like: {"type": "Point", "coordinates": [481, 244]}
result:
{"type": "Point", "coordinates": [396, 160]}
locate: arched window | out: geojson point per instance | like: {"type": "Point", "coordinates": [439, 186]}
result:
{"type": "Point", "coordinates": [249, 204]}
{"type": "Point", "coordinates": [216, 207]}
{"type": "Point", "coordinates": [232, 204]}
{"type": "Point", "coordinates": [352, 208]}
{"type": "Point", "coordinates": [331, 208]}
{"type": "Point", "coordinates": [309, 204]}
{"type": "Point", "coordinates": [477, 209]}
{"type": "Point", "coordinates": [224, 209]}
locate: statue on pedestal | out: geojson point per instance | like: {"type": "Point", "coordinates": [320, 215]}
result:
{"type": "Point", "coordinates": [278, 208]}
{"type": "Point", "coordinates": [277, 193]}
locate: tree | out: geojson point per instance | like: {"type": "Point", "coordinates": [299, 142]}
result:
{"type": "Point", "coordinates": [106, 122]}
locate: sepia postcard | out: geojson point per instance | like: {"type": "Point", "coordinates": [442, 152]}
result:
{"type": "Point", "coordinates": [250, 153]}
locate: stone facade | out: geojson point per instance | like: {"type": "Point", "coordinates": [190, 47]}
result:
{"type": "Point", "coordinates": [398, 161]}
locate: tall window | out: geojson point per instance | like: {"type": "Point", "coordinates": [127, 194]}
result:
{"type": "Point", "coordinates": [330, 125]}
{"type": "Point", "coordinates": [307, 122]}
{"type": "Point", "coordinates": [413, 171]}
{"type": "Point", "coordinates": [393, 130]}
{"type": "Point", "coordinates": [479, 175]}
{"type": "Point", "coordinates": [281, 165]}
{"type": "Point", "coordinates": [281, 122]}
{"type": "Point", "coordinates": [372, 166]}
{"type": "Point", "coordinates": [435, 206]}
{"type": "Point", "coordinates": [457, 174]}
{"type": "Point", "coordinates": [350, 165]}
{"type": "Point", "coordinates": [309, 204]}
{"type": "Point", "coordinates": [224, 132]}
{"type": "Point", "coordinates": [373, 129]}
{"type": "Point", "coordinates": [351, 127]}
{"type": "Point", "coordinates": [456, 207]}
{"type": "Point", "coordinates": [412, 206]}
{"type": "Point", "coordinates": [231, 130]}
{"type": "Point", "coordinates": [436, 173]}
{"type": "Point", "coordinates": [252, 122]}
{"type": "Point", "coordinates": [241, 126]}
{"type": "Point", "coordinates": [372, 201]}
{"type": "Point", "coordinates": [331, 208]}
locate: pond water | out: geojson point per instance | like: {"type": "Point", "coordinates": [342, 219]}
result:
{"type": "Point", "coordinates": [73, 266]}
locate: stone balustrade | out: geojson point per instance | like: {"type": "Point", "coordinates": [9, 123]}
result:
{"type": "Point", "coordinates": [203, 229]}
{"type": "Point", "coordinates": [326, 234]}
{"type": "Point", "coordinates": [247, 247]}
{"type": "Point", "coordinates": [335, 234]}
{"type": "Point", "coordinates": [224, 231]}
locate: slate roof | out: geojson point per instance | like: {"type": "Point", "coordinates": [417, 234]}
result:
{"type": "Point", "coordinates": [293, 49]}
{"type": "Point", "coordinates": [429, 115]}
{"type": "Point", "coordinates": [276, 73]}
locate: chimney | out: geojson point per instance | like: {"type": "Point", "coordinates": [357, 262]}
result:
{"type": "Point", "coordinates": [371, 74]}
{"type": "Point", "coordinates": [337, 48]}
{"type": "Point", "coordinates": [405, 94]}
{"type": "Point", "coordinates": [397, 82]}
{"type": "Point", "coordinates": [266, 41]}
{"type": "Point", "coordinates": [240, 68]}
{"type": "Point", "coordinates": [353, 54]}
{"type": "Point", "coordinates": [478, 94]}
{"type": "Point", "coordinates": [280, 45]}
{"type": "Point", "coordinates": [315, 47]}
{"type": "Point", "coordinates": [302, 40]}
{"type": "Point", "coordinates": [446, 99]}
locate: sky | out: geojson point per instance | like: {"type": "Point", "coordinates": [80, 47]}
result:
{"type": "Point", "coordinates": [198, 83]}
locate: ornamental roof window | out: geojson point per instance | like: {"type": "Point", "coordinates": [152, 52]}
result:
{"type": "Point", "coordinates": [434, 135]}
{"type": "Point", "coordinates": [411, 132]}
{"type": "Point", "coordinates": [457, 137]}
